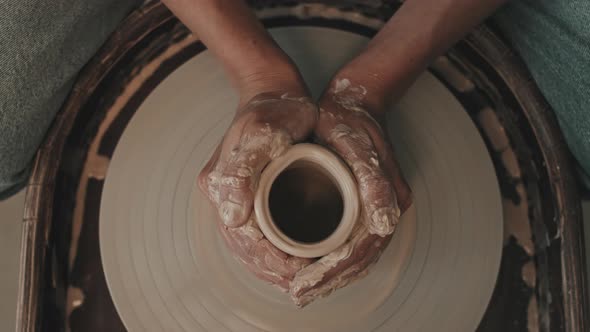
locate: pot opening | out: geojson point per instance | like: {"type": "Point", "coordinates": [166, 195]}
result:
{"type": "Point", "coordinates": [305, 202]}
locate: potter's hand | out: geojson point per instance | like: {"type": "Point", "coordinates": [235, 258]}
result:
{"type": "Point", "coordinates": [346, 125]}
{"type": "Point", "coordinates": [274, 112]}
{"type": "Point", "coordinates": [264, 127]}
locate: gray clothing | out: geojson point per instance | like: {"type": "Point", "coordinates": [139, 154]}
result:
{"type": "Point", "coordinates": [43, 45]}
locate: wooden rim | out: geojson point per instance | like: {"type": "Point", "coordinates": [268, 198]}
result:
{"type": "Point", "coordinates": [559, 179]}
{"type": "Point", "coordinates": [38, 211]}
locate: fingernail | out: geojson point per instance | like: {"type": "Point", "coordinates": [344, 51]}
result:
{"type": "Point", "coordinates": [383, 221]}
{"type": "Point", "coordinates": [230, 213]}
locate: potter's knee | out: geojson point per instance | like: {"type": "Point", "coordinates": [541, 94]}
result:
{"type": "Point", "coordinates": [14, 170]}
{"type": "Point", "coordinates": [25, 117]}
{"type": "Point", "coordinates": [10, 184]}
{"type": "Point", "coordinates": [19, 140]}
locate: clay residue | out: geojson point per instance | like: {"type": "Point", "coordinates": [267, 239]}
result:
{"type": "Point", "coordinates": [533, 315]}
{"type": "Point", "coordinates": [344, 131]}
{"type": "Point", "coordinates": [382, 222]}
{"type": "Point", "coordinates": [345, 278]}
{"type": "Point", "coordinates": [529, 274]}
{"type": "Point", "coordinates": [248, 245]}
{"type": "Point", "coordinates": [241, 169]}
{"type": "Point", "coordinates": [314, 273]}
{"type": "Point", "coordinates": [98, 169]}
{"type": "Point", "coordinates": [383, 217]}
{"type": "Point", "coordinates": [75, 298]}
{"type": "Point", "coordinates": [511, 163]}
{"type": "Point", "coordinates": [518, 223]}
{"type": "Point", "coordinates": [452, 75]}
{"type": "Point", "coordinates": [341, 85]}
{"type": "Point", "coordinates": [286, 96]}
{"type": "Point", "coordinates": [350, 262]}
{"type": "Point", "coordinates": [495, 132]}
{"type": "Point", "coordinates": [489, 122]}
{"type": "Point", "coordinates": [349, 96]}
{"type": "Point", "coordinates": [213, 186]}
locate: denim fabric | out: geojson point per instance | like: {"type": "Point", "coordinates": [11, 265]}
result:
{"type": "Point", "coordinates": [43, 45]}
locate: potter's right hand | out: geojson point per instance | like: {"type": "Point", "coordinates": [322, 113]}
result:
{"type": "Point", "coordinates": [264, 127]}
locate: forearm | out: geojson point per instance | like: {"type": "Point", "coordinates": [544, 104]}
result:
{"type": "Point", "coordinates": [234, 35]}
{"type": "Point", "coordinates": [418, 32]}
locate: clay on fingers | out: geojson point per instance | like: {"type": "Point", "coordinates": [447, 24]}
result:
{"type": "Point", "coordinates": [258, 255]}
{"type": "Point", "coordinates": [232, 183]}
{"type": "Point", "coordinates": [263, 131]}
{"type": "Point", "coordinates": [357, 149]}
{"type": "Point", "coordinates": [349, 263]}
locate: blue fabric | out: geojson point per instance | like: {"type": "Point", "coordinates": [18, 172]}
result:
{"type": "Point", "coordinates": [553, 38]}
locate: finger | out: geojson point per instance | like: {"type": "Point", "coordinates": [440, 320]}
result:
{"type": "Point", "coordinates": [210, 175]}
{"type": "Point", "coordinates": [337, 269]}
{"type": "Point", "coordinates": [207, 183]}
{"type": "Point", "coordinates": [236, 198]}
{"type": "Point", "coordinates": [241, 246]}
{"type": "Point", "coordinates": [249, 246]}
{"type": "Point", "coordinates": [239, 179]}
{"type": "Point", "coordinates": [391, 167]}
{"type": "Point", "coordinates": [378, 198]}
{"type": "Point", "coordinates": [277, 262]}
{"type": "Point", "coordinates": [249, 145]}
{"type": "Point", "coordinates": [295, 115]}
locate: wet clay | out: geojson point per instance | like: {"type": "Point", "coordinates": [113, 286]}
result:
{"type": "Point", "coordinates": [305, 203]}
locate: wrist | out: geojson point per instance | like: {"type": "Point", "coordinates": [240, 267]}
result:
{"type": "Point", "coordinates": [275, 78]}
{"type": "Point", "coordinates": [364, 89]}
{"type": "Point", "coordinates": [386, 80]}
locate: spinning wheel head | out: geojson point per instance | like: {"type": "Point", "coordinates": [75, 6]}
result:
{"type": "Point", "coordinates": [167, 269]}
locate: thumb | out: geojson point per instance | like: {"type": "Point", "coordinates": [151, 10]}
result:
{"type": "Point", "coordinates": [375, 188]}
{"type": "Point", "coordinates": [239, 179]}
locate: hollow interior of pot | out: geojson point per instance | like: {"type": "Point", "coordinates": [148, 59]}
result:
{"type": "Point", "coordinates": [306, 202]}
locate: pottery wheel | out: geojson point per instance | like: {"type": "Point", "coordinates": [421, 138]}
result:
{"type": "Point", "coordinates": [168, 270]}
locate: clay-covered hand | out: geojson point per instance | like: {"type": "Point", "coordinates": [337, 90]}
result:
{"type": "Point", "coordinates": [264, 127]}
{"type": "Point", "coordinates": [347, 125]}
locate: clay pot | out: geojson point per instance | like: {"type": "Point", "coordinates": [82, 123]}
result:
{"type": "Point", "coordinates": [307, 201]}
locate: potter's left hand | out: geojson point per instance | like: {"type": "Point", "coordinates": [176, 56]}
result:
{"type": "Point", "coordinates": [347, 125]}
{"type": "Point", "coordinates": [264, 127]}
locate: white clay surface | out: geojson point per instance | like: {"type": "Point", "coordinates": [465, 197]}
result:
{"type": "Point", "coordinates": [168, 270]}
